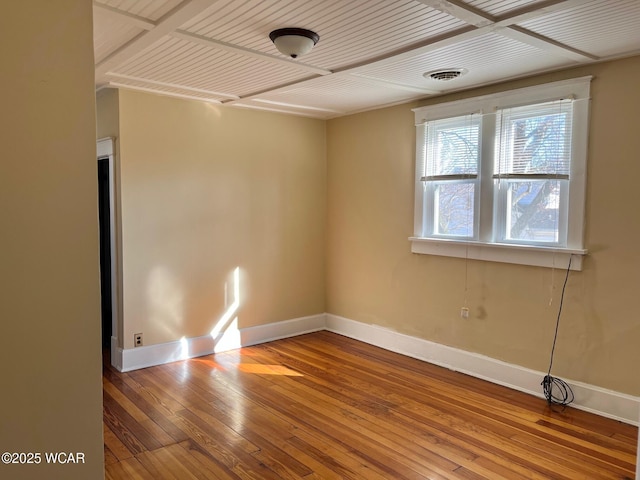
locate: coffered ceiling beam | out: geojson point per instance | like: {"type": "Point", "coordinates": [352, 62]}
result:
{"type": "Point", "coordinates": [130, 18]}
{"type": "Point", "coordinates": [220, 45]}
{"type": "Point", "coordinates": [507, 25]}
{"type": "Point", "coordinates": [150, 82]}
{"type": "Point", "coordinates": [167, 24]}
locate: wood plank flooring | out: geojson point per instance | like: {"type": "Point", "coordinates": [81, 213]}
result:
{"type": "Point", "coordinates": [322, 406]}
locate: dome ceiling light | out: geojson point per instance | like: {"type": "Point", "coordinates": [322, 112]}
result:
{"type": "Point", "coordinates": [294, 42]}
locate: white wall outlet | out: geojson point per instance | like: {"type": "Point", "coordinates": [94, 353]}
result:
{"type": "Point", "coordinates": [137, 339]}
{"type": "Point", "coordinates": [464, 312]}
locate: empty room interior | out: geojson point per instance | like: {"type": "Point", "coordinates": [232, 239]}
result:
{"type": "Point", "coordinates": [332, 239]}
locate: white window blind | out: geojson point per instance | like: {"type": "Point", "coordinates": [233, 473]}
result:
{"type": "Point", "coordinates": [452, 147]}
{"type": "Point", "coordinates": [535, 140]}
{"type": "Point", "coordinates": [451, 175]}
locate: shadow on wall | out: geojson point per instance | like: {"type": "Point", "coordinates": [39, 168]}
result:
{"type": "Point", "coordinates": [165, 297]}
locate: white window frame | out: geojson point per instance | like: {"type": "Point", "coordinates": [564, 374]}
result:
{"type": "Point", "coordinates": [485, 247]}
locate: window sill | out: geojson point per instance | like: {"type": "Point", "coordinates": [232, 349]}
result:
{"type": "Point", "coordinates": [500, 252]}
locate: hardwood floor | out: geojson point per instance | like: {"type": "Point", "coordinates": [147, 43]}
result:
{"type": "Point", "coordinates": [322, 406]}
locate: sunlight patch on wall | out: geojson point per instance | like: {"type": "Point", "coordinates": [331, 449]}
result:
{"type": "Point", "coordinates": [184, 348]}
{"type": "Point", "coordinates": [225, 333]}
{"type": "Point", "coordinates": [229, 339]}
{"type": "Point", "coordinates": [213, 110]}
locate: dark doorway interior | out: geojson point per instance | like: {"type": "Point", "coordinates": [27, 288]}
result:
{"type": "Point", "coordinates": [104, 214]}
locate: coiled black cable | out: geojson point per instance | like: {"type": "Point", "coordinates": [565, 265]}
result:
{"type": "Point", "coordinates": [556, 391]}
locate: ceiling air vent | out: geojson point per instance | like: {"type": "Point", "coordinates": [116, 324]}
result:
{"type": "Point", "coordinates": [445, 74]}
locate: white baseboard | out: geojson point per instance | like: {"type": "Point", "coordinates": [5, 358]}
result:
{"type": "Point", "coordinates": [607, 403]}
{"type": "Point", "coordinates": [232, 338]}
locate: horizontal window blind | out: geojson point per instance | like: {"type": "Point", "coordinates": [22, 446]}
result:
{"type": "Point", "coordinates": [452, 148]}
{"type": "Point", "coordinates": [534, 141]}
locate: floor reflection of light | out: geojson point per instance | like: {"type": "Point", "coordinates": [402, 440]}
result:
{"type": "Point", "coordinates": [183, 373]}
{"type": "Point", "coordinates": [208, 363]}
{"type": "Point", "coordinates": [231, 359]}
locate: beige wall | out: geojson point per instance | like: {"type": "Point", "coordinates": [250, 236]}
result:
{"type": "Point", "coordinates": [50, 309]}
{"type": "Point", "coordinates": [206, 189]}
{"type": "Point", "coordinates": [372, 276]}
{"type": "Point", "coordinates": [108, 113]}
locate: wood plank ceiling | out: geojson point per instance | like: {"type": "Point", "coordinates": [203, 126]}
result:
{"type": "Point", "coordinates": [371, 53]}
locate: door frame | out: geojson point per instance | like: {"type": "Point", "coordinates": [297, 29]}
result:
{"type": "Point", "coordinates": [106, 150]}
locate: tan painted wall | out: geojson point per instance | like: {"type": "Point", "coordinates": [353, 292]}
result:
{"type": "Point", "coordinates": [49, 302]}
{"type": "Point", "coordinates": [108, 113]}
{"type": "Point", "coordinates": [206, 189]}
{"type": "Point", "coordinates": [372, 276]}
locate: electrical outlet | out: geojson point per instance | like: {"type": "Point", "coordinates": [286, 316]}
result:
{"type": "Point", "coordinates": [464, 312]}
{"type": "Point", "coordinates": [137, 339]}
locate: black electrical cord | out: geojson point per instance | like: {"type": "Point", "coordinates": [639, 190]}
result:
{"type": "Point", "coordinates": [556, 391]}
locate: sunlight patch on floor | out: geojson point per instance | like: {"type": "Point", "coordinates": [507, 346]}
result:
{"type": "Point", "coordinates": [268, 369]}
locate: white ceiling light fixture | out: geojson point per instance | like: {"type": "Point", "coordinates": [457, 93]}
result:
{"type": "Point", "coordinates": [294, 42]}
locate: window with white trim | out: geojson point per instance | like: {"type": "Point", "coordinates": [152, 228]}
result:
{"type": "Point", "coordinates": [502, 177]}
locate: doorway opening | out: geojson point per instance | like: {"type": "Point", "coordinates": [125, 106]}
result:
{"type": "Point", "coordinates": [104, 217]}
{"type": "Point", "coordinates": [108, 247]}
